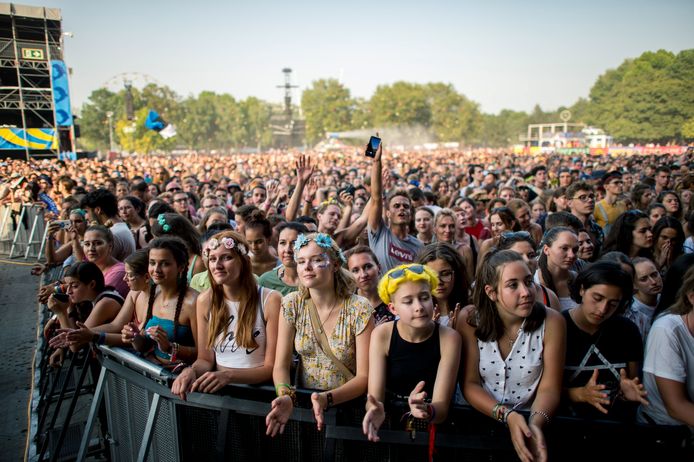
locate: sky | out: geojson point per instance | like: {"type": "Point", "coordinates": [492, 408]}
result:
{"type": "Point", "coordinates": [500, 54]}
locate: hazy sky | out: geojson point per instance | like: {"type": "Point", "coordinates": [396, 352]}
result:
{"type": "Point", "coordinates": [501, 54]}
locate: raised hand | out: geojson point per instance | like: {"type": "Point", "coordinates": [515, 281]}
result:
{"type": "Point", "coordinates": [632, 389]}
{"type": "Point", "coordinates": [453, 316]}
{"type": "Point", "coordinates": [304, 170]}
{"type": "Point", "coordinates": [346, 198]}
{"type": "Point", "coordinates": [373, 419]}
{"type": "Point", "coordinates": [419, 408]}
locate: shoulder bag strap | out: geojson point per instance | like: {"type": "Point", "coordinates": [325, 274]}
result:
{"type": "Point", "coordinates": [323, 339]}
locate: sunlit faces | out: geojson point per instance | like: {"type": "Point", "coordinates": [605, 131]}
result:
{"type": "Point", "coordinates": [507, 194]}
{"type": "Point", "coordinates": [656, 214]}
{"type": "Point", "coordinates": [599, 302]}
{"type": "Point", "coordinates": [537, 211]}
{"type": "Point", "coordinates": [642, 235]}
{"type": "Point", "coordinates": [413, 303]}
{"type": "Point", "coordinates": [585, 246]}
{"type": "Point", "coordinates": [135, 282]}
{"type": "Point", "coordinates": [329, 219]}
{"type": "Point", "coordinates": [497, 225]}
{"type": "Point", "coordinates": [126, 210]}
{"type": "Point", "coordinates": [224, 265]}
{"type": "Point", "coordinates": [647, 279]}
{"type": "Point", "coordinates": [180, 202]}
{"type": "Point", "coordinates": [615, 186]}
{"type": "Point", "coordinates": [667, 236]}
{"type": "Point", "coordinates": [515, 294]}
{"type": "Point", "coordinates": [527, 252]}
{"type": "Point", "coordinates": [445, 229]}
{"type": "Point", "coordinates": [162, 266]}
{"type": "Point", "coordinates": [446, 278]}
{"type": "Point", "coordinates": [523, 217]}
{"type": "Point", "coordinates": [285, 247]}
{"type": "Point", "coordinates": [152, 190]}
{"type": "Point", "coordinates": [563, 251]}
{"type": "Point", "coordinates": [258, 196]}
{"type": "Point", "coordinates": [468, 213]}
{"type": "Point", "coordinates": [257, 242]}
{"type": "Point", "coordinates": [583, 202]}
{"type": "Point", "coordinates": [77, 290]}
{"type": "Point", "coordinates": [422, 221]}
{"type": "Point", "coordinates": [663, 179]}
{"type": "Point", "coordinates": [565, 179]}
{"type": "Point", "coordinates": [671, 203]}
{"type": "Point", "coordinates": [207, 203]}
{"type": "Point", "coordinates": [95, 246]}
{"type": "Point", "coordinates": [78, 222]}
{"type": "Point", "coordinates": [365, 270]}
{"type": "Point", "coordinates": [399, 210]}
{"type": "Point", "coordinates": [686, 195]}
{"type": "Point", "coordinates": [561, 203]}
{"type": "Point", "coordinates": [314, 266]}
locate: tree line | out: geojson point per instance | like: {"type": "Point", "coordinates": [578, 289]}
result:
{"type": "Point", "coordinates": [646, 99]}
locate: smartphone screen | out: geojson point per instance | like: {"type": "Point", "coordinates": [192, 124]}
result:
{"type": "Point", "coordinates": [374, 143]}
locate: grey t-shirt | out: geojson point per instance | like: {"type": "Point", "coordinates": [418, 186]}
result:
{"type": "Point", "coordinates": [390, 250]}
{"type": "Point", "coordinates": [123, 241]}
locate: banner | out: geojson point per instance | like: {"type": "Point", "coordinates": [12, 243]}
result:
{"type": "Point", "coordinates": [32, 138]}
{"type": "Point", "coordinates": [159, 125]}
{"type": "Point", "coordinates": [61, 94]}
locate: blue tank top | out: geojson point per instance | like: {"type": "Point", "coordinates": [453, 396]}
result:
{"type": "Point", "coordinates": [184, 334]}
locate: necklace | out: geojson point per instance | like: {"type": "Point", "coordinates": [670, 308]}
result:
{"type": "Point", "coordinates": [511, 341]}
{"type": "Point", "coordinates": [321, 329]}
{"type": "Point", "coordinates": [165, 305]}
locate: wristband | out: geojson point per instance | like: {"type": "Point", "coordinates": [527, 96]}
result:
{"type": "Point", "coordinates": [95, 338]}
{"type": "Point", "coordinates": [329, 397]}
{"type": "Point", "coordinates": [174, 351]}
{"type": "Point", "coordinates": [542, 413]}
{"type": "Point", "coordinates": [102, 338]}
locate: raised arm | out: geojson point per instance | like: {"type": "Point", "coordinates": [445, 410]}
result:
{"type": "Point", "coordinates": [347, 236]}
{"type": "Point", "coordinates": [376, 212]}
{"type": "Point", "coordinates": [304, 170]}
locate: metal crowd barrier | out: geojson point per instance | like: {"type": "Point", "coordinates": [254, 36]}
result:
{"type": "Point", "coordinates": [22, 232]}
{"type": "Point", "coordinates": [146, 422]}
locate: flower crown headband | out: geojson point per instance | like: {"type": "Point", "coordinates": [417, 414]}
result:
{"type": "Point", "coordinates": [331, 201]}
{"type": "Point", "coordinates": [161, 219]}
{"type": "Point", "coordinates": [228, 243]}
{"type": "Point", "coordinates": [322, 240]}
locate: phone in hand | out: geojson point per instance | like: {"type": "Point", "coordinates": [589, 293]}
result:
{"type": "Point", "coordinates": [62, 298]}
{"type": "Point", "coordinates": [372, 147]}
{"type": "Point", "coordinates": [63, 224]}
{"type": "Point", "coordinates": [350, 189]}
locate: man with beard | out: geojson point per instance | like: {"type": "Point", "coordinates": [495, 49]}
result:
{"type": "Point", "coordinates": [391, 242]}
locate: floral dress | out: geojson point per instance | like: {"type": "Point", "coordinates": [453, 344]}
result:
{"type": "Point", "coordinates": [317, 370]}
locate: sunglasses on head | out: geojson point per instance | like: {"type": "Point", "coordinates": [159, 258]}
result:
{"type": "Point", "coordinates": [416, 269]}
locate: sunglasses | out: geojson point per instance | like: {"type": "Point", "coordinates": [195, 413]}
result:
{"type": "Point", "coordinates": [416, 269]}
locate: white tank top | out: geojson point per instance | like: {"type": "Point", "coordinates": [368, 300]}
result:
{"type": "Point", "coordinates": [228, 353]}
{"type": "Point", "coordinates": [513, 381]}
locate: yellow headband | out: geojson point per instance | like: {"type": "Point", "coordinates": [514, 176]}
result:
{"type": "Point", "coordinates": [390, 282]}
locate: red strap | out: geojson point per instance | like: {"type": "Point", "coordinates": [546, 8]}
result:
{"type": "Point", "coordinates": [432, 441]}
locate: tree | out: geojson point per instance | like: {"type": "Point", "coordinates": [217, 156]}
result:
{"type": "Point", "coordinates": [453, 116]}
{"type": "Point", "coordinates": [256, 122]}
{"type": "Point", "coordinates": [327, 107]}
{"type": "Point", "coordinates": [401, 104]}
{"type": "Point", "coordinates": [93, 120]}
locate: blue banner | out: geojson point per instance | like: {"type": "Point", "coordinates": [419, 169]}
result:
{"type": "Point", "coordinates": [32, 138]}
{"type": "Point", "coordinates": [61, 94]}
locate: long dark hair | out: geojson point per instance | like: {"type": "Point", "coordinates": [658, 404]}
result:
{"type": "Point", "coordinates": [608, 273]}
{"type": "Point", "coordinates": [86, 272]}
{"type": "Point", "coordinates": [547, 240]}
{"type": "Point", "coordinates": [178, 225]}
{"type": "Point", "coordinates": [179, 252]}
{"type": "Point", "coordinates": [678, 243]}
{"type": "Point", "coordinates": [486, 320]}
{"type": "Point", "coordinates": [137, 204]}
{"type": "Point", "coordinates": [621, 235]}
{"type": "Point", "coordinates": [448, 253]}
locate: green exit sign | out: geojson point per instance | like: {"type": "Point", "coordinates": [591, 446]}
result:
{"type": "Point", "coordinates": [32, 53]}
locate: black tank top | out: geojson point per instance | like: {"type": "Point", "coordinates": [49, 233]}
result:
{"type": "Point", "coordinates": [408, 363]}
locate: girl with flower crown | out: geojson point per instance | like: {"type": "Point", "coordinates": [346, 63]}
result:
{"type": "Point", "coordinates": [328, 325]}
{"type": "Point", "coordinates": [413, 357]}
{"type": "Point", "coordinates": [236, 322]}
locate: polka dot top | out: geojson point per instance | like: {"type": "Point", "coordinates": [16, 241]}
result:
{"type": "Point", "coordinates": [513, 381]}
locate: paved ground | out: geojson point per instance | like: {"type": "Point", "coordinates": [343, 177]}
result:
{"type": "Point", "coordinates": [17, 340]}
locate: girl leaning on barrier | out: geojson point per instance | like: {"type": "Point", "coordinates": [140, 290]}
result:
{"type": "Point", "coordinates": [167, 313]}
{"type": "Point", "coordinates": [413, 357]}
{"type": "Point", "coordinates": [513, 351]}
{"type": "Point", "coordinates": [98, 249]}
{"type": "Point", "coordinates": [236, 322]}
{"type": "Point", "coordinates": [329, 327]}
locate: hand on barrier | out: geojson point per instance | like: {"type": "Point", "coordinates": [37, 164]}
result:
{"type": "Point", "coordinates": [373, 419]}
{"type": "Point", "coordinates": [160, 336]}
{"type": "Point", "coordinates": [212, 381]}
{"type": "Point", "coordinates": [129, 332]}
{"type": "Point", "coordinates": [60, 339]}
{"type": "Point", "coordinates": [419, 408]}
{"type": "Point", "coordinates": [80, 336]}
{"type": "Point", "coordinates": [50, 328]}
{"type": "Point", "coordinates": [591, 393]}
{"type": "Point", "coordinates": [632, 389]}
{"type": "Point", "coordinates": [38, 269]}
{"type": "Point", "coordinates": [319, 402]}
{"type": "Point", "coordinates": [529, 442]}
{"type": "Point", "coordinates": [183, 383]}
{"type": "Point", "coordinates": [279, 414]}
{"type": "Point", "coordinates": [56, 359]}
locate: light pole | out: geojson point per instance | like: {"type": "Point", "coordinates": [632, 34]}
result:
{"type": "Point", "coordinates": [109, 114]}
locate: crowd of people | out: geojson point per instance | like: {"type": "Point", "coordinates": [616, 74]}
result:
{"type": "Point", "coordinates": [555, 285]}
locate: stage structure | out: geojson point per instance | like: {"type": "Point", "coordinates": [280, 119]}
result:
{"type": "Point", "coordinates": [35, 113]}
{"type": "Point", "coordinates": [287, 131]}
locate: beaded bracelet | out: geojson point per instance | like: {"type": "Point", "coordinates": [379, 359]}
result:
{"type": "Point", "coordinates": [174, 351]}
{"type": "Point", "coordinates": [542, 413]}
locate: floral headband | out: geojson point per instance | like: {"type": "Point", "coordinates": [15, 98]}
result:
{"type": "Point", "coordinates": [322, 240]}
{"type": "Point", "coordinates": [227, 242]}
{"type": "Point", "coordinates": [331, 201]}
{"type": "Point", "coordinates": [80, 212]}
{"type": "Point", "coordinates": [161, 219]}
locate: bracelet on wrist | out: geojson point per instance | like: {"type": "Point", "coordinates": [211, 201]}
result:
{"type": "Point", "coordinates": [542, 413]}
{"type": "Point", "coordinates": [329, 399]}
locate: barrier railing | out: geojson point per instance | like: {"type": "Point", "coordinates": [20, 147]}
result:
{"type": "Point", "coordinates": [146, 422]}
{"type": "Point", "coordinates": [22, 232]}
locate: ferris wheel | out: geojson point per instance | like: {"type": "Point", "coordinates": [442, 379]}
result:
{"type": "Point", "coordinates": [128, 80]}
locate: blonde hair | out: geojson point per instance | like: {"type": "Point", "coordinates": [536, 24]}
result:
{"type": "Point", "coordinates": [389, 284]}
{"type": "Point", "coordinates": [345, 285]}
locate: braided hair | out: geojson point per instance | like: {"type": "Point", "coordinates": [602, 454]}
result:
{"type": "Point", "coordinates": [180, 254]}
